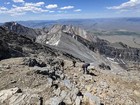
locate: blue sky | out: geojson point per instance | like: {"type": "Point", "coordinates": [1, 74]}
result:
{"type": "Point", "coordinates": [11, 10]}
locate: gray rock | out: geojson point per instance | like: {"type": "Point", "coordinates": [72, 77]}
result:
{"type": "Point", "coordinates": [68, 101]}
{"type": "Point", "coordinates": [91, 99]}
{"type": "Point", "coordinates": [73, 93]}
{"type": "Point", "coordinates": [78, 100]}
{"type": "Point", "coordinates": [103, 84]}
{"type": "Point", "coordinates": [57, 92]}
{"type": "Point", "coordinates": [63, 94]}
{"type": "Point", "coordinates": [53, 101]}
{"type": "Point", "coordinates": [5, 94]}
{"type": "Point", "coordinates": [50, 81]}
{"type": "Point", "coordinates": [67, 83]}
{"type": "Point", "coordinates": [88, 77]}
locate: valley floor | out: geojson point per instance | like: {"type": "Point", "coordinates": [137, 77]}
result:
{"type": "Point", "coordinates": [24, 85]}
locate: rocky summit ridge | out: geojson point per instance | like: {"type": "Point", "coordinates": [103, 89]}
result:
{"type": "Point", "coordinates": [41, 71]}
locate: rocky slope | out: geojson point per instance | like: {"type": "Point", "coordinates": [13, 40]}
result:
{"type": "Point", "coordinates": [21, 84]}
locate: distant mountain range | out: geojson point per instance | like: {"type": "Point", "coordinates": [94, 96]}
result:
{"type": "Point", "coordinates": [100, 24]}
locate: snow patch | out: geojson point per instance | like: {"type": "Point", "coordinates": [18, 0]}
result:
{"type": "Point", "coordinates": [53, 44]}
{"type": "Point", "coordinates": [54, 40]}
{"type": "Point", "coordinates": [112, 60]}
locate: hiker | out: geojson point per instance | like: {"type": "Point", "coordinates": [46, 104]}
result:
{"type": "Point", "coordinates": [62, 64]}
{"type": "Point", "coordinates": [85, 68]}
{"type": "Point", "coordinates": [74, 63]}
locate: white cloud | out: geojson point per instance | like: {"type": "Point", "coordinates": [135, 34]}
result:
{"type": "Point", "coordinates": [127, 5]}
{"type": "Point", "coordinates": [3, 8]}
{"type": "Point", "coordinates": [14, 6]}
{"type": "Point", "coordinates": [35, 4]}
{"type": "Point", "coordinates": [67, 7]}
{"type": "Point", "coordinates": [18, 1]}
{"type": "Point", "coordinates": [26, 7]}
{"type": "Point", "coordinates": [31, 7]}
{"type": "Point", "coordinates": [51, 6]}
{"type": "Point", "coordinates": [77, 10]}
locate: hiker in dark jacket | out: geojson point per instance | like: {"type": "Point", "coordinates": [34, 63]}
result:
{"type": "Point", "coordinates": [85, 68]}
{"type": "Point", "coordinates": [62, 64]}
{"type": "Point", "coordinates": [74, 63]}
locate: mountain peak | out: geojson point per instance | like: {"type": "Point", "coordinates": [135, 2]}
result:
{"type": "Point", "coordinates": [68, 29]}
{"type": "Point", "coordinates": [21, 30]}
{"type": "Point", "coordinates": [9, 25]}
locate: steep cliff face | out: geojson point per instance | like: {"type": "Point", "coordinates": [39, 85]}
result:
{"type": "Point", "coordinates": [125, 52]}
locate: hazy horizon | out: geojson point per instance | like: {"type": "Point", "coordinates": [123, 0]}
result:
{"type": "Point", "coordinates": [69, 19]}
